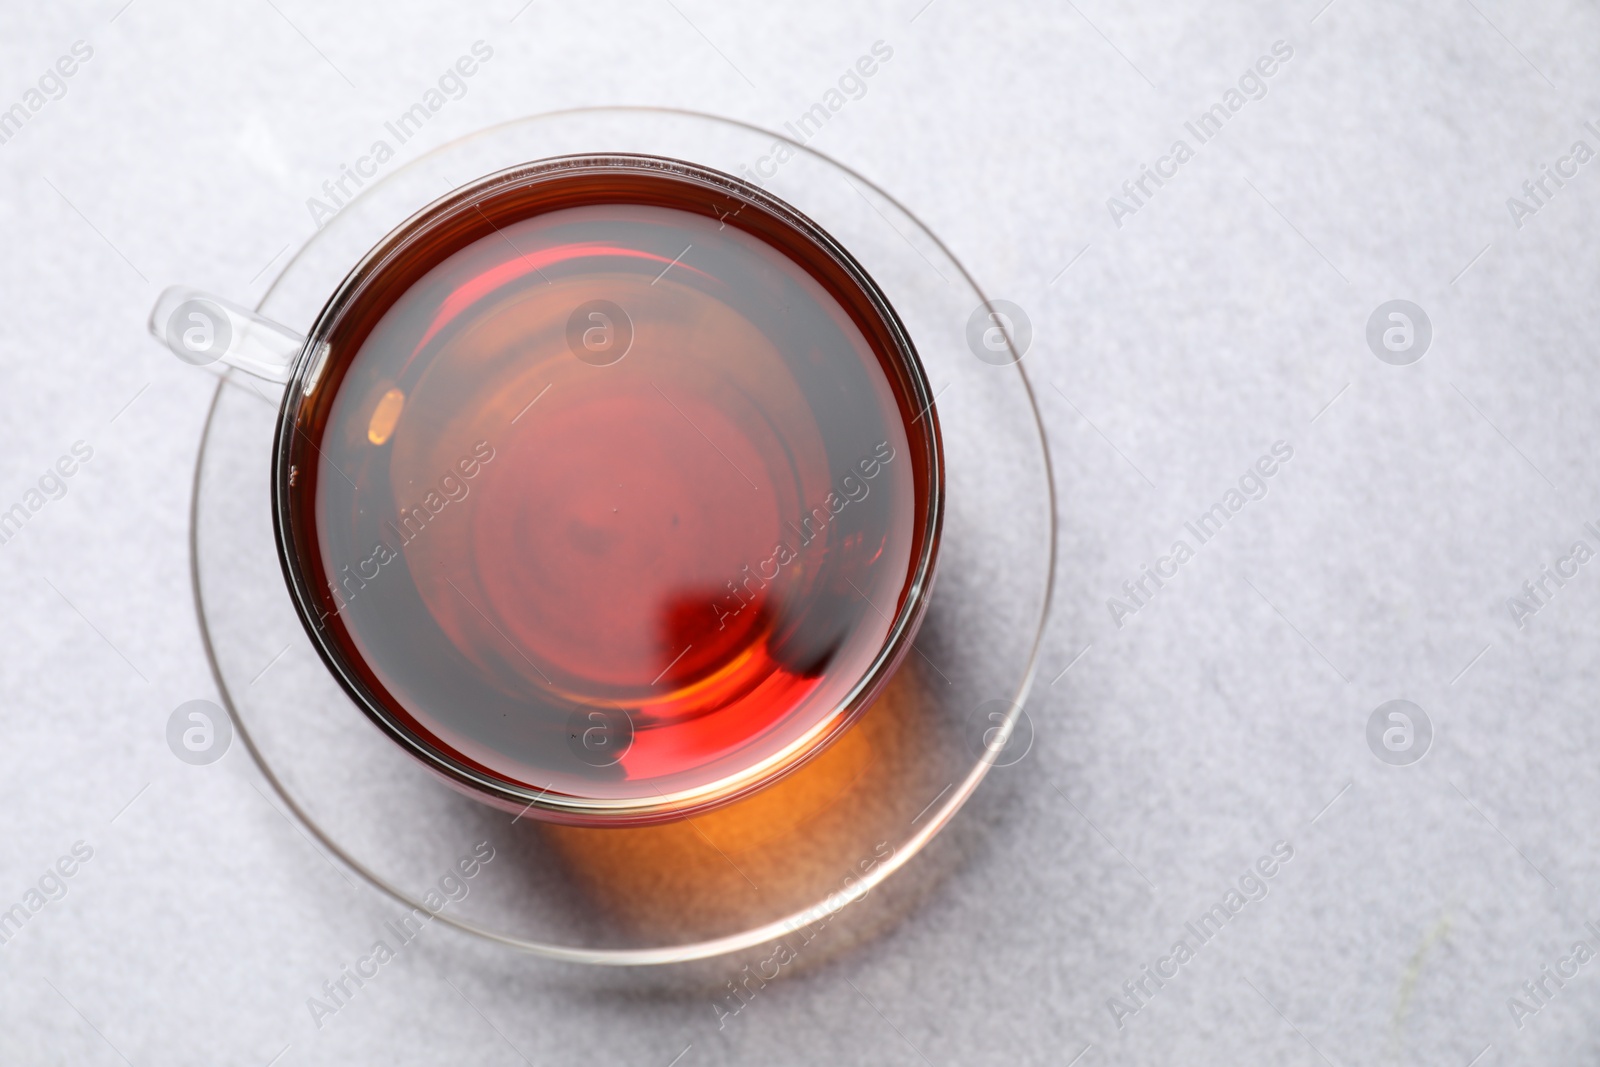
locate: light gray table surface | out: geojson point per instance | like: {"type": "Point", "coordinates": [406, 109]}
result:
{"type": "Point", "coordinates": [1174, 345]}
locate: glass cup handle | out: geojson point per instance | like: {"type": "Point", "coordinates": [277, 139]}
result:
{"type": "Point", "coordinates": [200, 328]}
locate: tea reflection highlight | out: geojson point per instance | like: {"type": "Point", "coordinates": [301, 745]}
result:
{"type": "Point", "coordinates": [763, 856]}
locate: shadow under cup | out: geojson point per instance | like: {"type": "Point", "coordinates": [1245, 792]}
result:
{"type": "Point", "coordinates": [610, 487]}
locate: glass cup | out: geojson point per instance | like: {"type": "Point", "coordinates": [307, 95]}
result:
{"type": "Point", "coordinates": [773, 529]}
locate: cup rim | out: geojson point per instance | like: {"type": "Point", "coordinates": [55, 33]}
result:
{"type": "Point", "coordinates": [312, 361]}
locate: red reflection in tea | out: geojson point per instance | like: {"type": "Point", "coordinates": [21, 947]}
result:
{"type": "Point", "coordinates": [610, 491]}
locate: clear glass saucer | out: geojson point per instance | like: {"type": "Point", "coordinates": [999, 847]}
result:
{"type": "Point", "coordinates": [775, 864]}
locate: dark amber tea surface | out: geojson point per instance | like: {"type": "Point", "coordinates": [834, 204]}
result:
{"type": "Point", "coordinates": [615, 488]}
